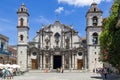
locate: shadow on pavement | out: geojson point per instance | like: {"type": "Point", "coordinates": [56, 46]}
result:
{"type": "Point", "coordinates": [109, 77]}
{"type": "Point", "coordinates": [97, 77]}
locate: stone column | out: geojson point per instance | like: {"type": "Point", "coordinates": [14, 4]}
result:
{"type": "Point", "coordinates": [63, 61]}
{"type": "Point", "coordinates": [51, 62]}
{"type": "Point", "coordinates": [29, 63]}
{"type": "Point", "coordinates": [85, 61]}
{"type": "Point", "coordinates": [44, 61]}
{"type": "Point", "coordinates": [73, 62]}
{"type": "Point", "coordinates": [69, 61]}
{"type": "Point", "coordinates": [40, 61]}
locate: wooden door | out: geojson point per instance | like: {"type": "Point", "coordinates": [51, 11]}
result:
{"type": "Point", "coordinates": [34, 64]}
{"type": "Point", "coordinates": [79, 64]}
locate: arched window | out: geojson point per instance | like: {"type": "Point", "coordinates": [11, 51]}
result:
{"type": "Point", "coordinates": [95, 38]}
{"type": "Point", "coordinates": [21, 37]}
{"type": "Point", "coordinates": [21, 9]}
{"type": "Point", "coordinates": [57, 35]}
{"type": "Point", "coordinates": [95, 21]}
{"type": "Point", "coordinates": [21, 21]}
{"type": "Point", "coordinates": [67, 40]}
{"type": "Point", "coordinates": [94, 9]}
{"type": "Point", "coordinates": [34, 53]}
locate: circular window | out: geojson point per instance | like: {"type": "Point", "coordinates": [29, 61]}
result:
{"type": "Point", "coordinates": [80, 53]}
{"type": "Point", "coordinates": [34, 53]}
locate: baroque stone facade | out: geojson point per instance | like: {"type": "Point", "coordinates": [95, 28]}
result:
{"type": "Point", "coordinates": [54, 47]}
{"type": "Point", "coordinates": [57, 45]}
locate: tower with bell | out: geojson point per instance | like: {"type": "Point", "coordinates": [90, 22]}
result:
{"type": "Point", "coordinates": [93, 30]}
{"type": "Point", "coordinates": [23, 36]}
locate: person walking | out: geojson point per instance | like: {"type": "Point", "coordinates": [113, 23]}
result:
{"type": "Point", "coordinates": [8, 73]}
{"type": "Point", "coordinates": [105, 73]}
{"type": "Point", "coordinates": [3, 73]}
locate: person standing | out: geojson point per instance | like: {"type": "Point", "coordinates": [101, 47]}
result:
{"type": "Point", "coordinates": [61, 70]}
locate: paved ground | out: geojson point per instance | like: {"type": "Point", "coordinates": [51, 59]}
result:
{"type": "Point", "coordinates": [61, 76]}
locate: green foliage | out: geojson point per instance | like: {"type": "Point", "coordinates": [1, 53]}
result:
{"type": "Point", "coordinates": [110, 37]}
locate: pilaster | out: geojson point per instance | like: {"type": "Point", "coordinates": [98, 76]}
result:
{"type": "Point", "coordinates": [63, 61]}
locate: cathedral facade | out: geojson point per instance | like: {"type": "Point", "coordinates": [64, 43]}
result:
{"type": "Point", "coordinates": [58, 45]}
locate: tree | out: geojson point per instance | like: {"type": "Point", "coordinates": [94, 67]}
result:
{"type": "Point", "coordinates": [110, 37]}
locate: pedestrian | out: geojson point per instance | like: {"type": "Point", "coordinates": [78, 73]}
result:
{"type": "Point", "coordinates": [11, 72]}
{"type": "Point", "coordinates": [105, 73]}
{"type": "Point", "coordinates": [3, 73]}
{"type": "Point", "coordinates": [62, 70]}
{"type": "Point", "coordinates": [8, 73]}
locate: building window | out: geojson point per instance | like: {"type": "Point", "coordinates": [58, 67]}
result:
{"type": "Point", "coordinates": [21, 21]}
{"type": "Point", "coordinates": [95, 21]}
{"type": "Point", "coordinates": [57, 35]}
{"type": "Point", "coordinates": [34, 53]}
{"type": "Point", "coordinates": [21, 37]}
{"type": "Point", "coordinates": [95, 38]}
{"type": "Point", "coordinates": [67, 40]}
{"type": "Point", "coordinates": [95, 52]}
{"type": "Point", "coordinates": [21, 9]}
{"type": "Point", "coordinates": [94, 9]}
{"type": "Point", "coordinates": [80, 53]}
{"type": "Point", "coordinates": [2, 46]}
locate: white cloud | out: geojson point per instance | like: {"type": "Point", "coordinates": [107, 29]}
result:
{"type": "Point", "coordinates": [43, 20]}
{"type": "Point", "coordinates": [59, 10]}
{"type": "Point", "coordinates": [80, 3]}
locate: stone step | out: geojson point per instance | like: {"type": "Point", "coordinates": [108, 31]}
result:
{"type": "Point", "coordinates": [54, 70]}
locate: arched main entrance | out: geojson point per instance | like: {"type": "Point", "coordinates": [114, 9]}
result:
{"type": "Point", "coordinates": [57, 61]}
{"type": "Point", "coordinates": [34, 60]}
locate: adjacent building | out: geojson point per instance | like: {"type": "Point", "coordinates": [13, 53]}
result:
{"type": "Point", "coordinates": [3, 49]}
{"type": "Point", "coordinates": [7, 53]}
{"type": "Point", "coordinates": [13, 55]}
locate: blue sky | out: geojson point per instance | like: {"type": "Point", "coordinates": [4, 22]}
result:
{"type": "Point", "coordinates": [70, 12]}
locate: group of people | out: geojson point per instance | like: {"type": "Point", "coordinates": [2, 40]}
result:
{"type": "Point", "coordinates": [7, 73]}
{"type": "Point", "coordinates": [104, 72]}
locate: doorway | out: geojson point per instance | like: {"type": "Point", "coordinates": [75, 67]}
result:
{"type": "Point", "coordinates": [79, 64]}
{"type": "Point", "coordinates": [34, 64]}
{"type": "Point", "coordinates": [57, 61]}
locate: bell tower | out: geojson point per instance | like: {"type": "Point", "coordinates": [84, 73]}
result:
{"type": "Point", "coordinates": [93, 30]}
{"type": "Point", "coordinates": [23, 37]}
